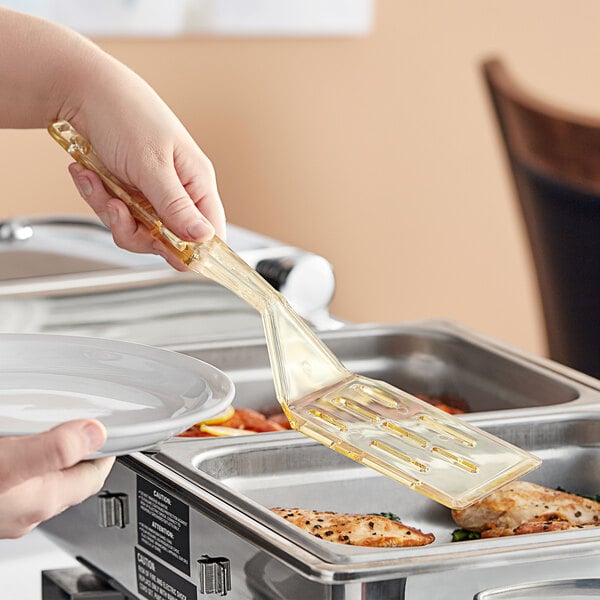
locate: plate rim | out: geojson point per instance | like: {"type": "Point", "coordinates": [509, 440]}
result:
{"type": "Point", "coordinates": [218, 399]}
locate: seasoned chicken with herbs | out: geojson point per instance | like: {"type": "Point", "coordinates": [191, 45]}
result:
{"type": "Point", "coordinates": [355, 529]}
{"type": "Point", "coordinates": [521, 507]}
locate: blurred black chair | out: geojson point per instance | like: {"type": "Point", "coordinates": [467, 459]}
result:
{"type": "Point", "coordinates": [554, 156]}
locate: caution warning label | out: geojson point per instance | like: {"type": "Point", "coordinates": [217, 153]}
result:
{"type": "Point", "coordinates": [163, 525]}
{"type": "Point", "coordinates": [157, 582]}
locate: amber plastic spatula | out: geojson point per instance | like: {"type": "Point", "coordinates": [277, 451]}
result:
{"type": "Point", "coordinates": [373, 423]}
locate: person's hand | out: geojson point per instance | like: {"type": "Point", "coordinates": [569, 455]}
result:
{"type": "Point", "coordinates": [64, 76]}
{"type": "Point", "coordinates": [126, 231]}
{"type": "Point", "coordinates": [143, 144]}
{"type": "Point", "coordinates": [42, 475]}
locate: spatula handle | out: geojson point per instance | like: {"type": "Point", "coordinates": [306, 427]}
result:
{"type": "Point", "coordinates": [81, 151]}
{"type": "Point", "coordinates": [212, 258]}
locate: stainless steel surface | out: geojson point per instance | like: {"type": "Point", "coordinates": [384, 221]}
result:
{"type": "Point", "coordinates": [113, 510]}
{"type": "Point", "coordinates": [12, 231]}
{"type": "Point", "coordinates": [290, 471]}
{"type": "Point", "coordinates": [434, 358]}
{"type": "Point", "coordinates": [66, 275]}
{"type": "Point", "coordinates": [230, 484]}
{"type": "Point", "coordinates": [32, 247]}
{"type": "Point", "coordinates": [157, 313]}
{"type": "Point", "coordinates": [42, 246]}
{"type": "Point", "coordinates": [271, 560]}
{"type": "Point", "coordinates": [566, 589]}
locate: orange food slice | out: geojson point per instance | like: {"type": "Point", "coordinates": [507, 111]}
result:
{"type": "Point", "coordinates": [221, 417]}
{"type": "Point", "coordinates": [220, 431]}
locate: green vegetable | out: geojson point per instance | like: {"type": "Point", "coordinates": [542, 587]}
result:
{"type": "Point", "coordinates": [460, 535]}
{"type": "Point", "coordinates": [388, 515]}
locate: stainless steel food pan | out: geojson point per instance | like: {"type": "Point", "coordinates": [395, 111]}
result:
{"type": "Point", "coordinates": [435, 358]}
{"type": "Point", "coordinates": [229, 486]}
{"type": "Point", "coordinates": [294, 471]}
{"type": "Point", "coordinates": [253, 476]}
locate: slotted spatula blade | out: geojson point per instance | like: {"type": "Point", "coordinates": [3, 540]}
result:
{"type": "Point", "coordinates": [386, 429]}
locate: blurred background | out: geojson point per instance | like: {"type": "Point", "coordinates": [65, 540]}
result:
{"type": "Point", "coordinates": [377, 150]}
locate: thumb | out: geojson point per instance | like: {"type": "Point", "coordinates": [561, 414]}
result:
{"type": "Point", "coordinates": [177, 210]}
{"type": "Point", "coordinates": [23, 458]}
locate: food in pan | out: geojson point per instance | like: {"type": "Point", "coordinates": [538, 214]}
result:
{"type": "Point", "coordinates": [220, 431]}
{"type": "Point", "coordinates": [594, 497]}
{"type": "Point", "coordinates": [237, 421]}
{"type": "Point", "coordinates": [522, 507]}
{"type": "Point", "coordinates": [355, 529]}
{"type": "Point", "coordinates": [449, 404]}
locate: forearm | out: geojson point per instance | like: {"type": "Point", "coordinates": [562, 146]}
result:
{"type": "Point", "coordinates": [44, 70]}
{"type": "Point", "coordinates": [50, 73]}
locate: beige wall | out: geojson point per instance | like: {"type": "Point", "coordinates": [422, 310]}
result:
{"type": "Point", "coordinates": [379, 153]}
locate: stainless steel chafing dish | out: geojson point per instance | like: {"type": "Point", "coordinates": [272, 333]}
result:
{"type": "Point", "coordinates": [65, 275]}
{"type": "Point", "coordinates": [193, 519]}
{"type": "Point", "coordinates": [431, 357]}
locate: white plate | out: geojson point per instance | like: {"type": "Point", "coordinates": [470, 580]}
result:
{"type": "Point", "coordinates": [143, 395]}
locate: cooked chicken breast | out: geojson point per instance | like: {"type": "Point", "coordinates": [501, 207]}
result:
{"type": "Point", "coordinates": [522, 507]}
{"type": "Point", "coordinates": [355, 529]}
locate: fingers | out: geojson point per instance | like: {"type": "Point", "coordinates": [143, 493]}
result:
{"type": "Point", "coordinates": [66, 488]}
{"type": "Point", "coordinates": [167, 183]}
{"type": "Point", "coordinates": [39, 499]}
{"type": "Point", "coordinates": [126, 231]}
{"type": "Point", "coordinates": [184, 196]}
{"type": "Point", "coordinates": [42, 475]}
{"type": "Point", "coordinates": [27, 457]}
{"type": "Point", "coordinates": [112, 212]}
{"type": "Point", "coordinates": [196, 173]}
{"type": "Point", "coordinates": [211, 207]}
